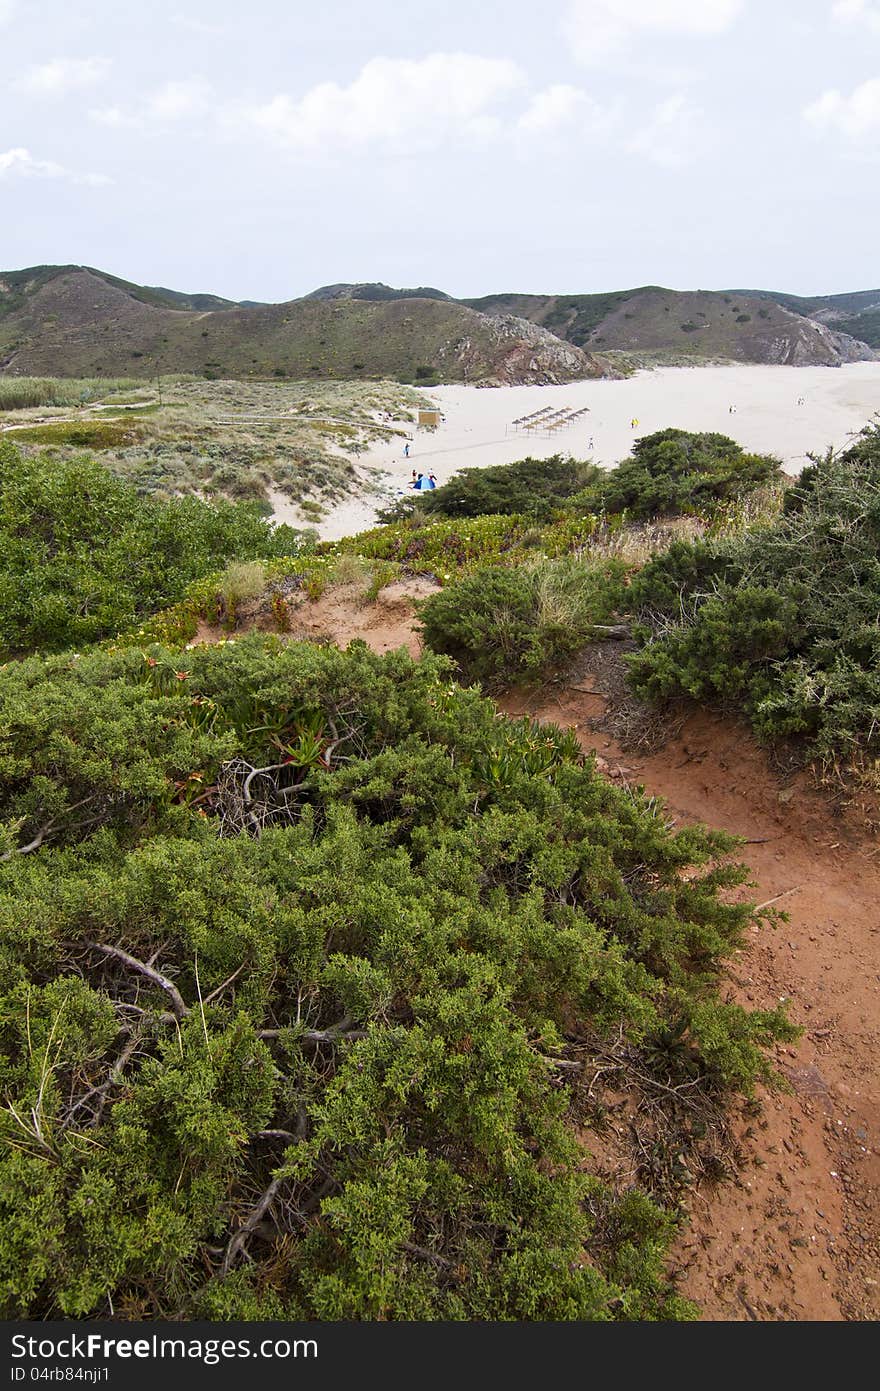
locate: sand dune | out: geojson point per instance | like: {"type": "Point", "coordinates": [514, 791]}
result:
{"type": "Point", "coordinates": [787, 411]}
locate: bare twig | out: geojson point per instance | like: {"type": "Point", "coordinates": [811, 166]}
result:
{"type": "Point", "coordinates": [777, 897]}
{"type": "Point", "coordinates": [214, 993]}
{"type": "Point", "coordinates": [115, 1076]}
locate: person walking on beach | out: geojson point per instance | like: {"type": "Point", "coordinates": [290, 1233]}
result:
{"type": "Point", "coordinates": [633, 423]}
{"type": "Point", "coordinates": [406, 450]}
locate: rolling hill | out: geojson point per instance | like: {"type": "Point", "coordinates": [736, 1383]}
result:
{"type": "Point", "coordinates": [76, 321]}
{"type": "Point", "coordinates": [736, 325]}
{"type": "Point", "coordinates": [79, 321]}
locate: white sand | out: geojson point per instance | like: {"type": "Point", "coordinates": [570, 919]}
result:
{"type": "Point", "coordinates": [768, 419]}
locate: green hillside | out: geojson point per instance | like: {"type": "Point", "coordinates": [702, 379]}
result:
{"type": "Point", "coordinates": [73, 321]}
{"type": "Point", "coordinates": [736, 325]}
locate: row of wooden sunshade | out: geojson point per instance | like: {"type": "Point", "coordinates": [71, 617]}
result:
{"type": "Point", "coordinates": [548, 419]}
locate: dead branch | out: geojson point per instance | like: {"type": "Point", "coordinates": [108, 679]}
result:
{"type": "Point", "coordinates": [422, 1251]}
{"type": "Point", "coordinates": [254, 1217]}
{"type": "Point", "coordinates": [179, 1008]}
{"type": "Point", "coordinates": [332, 1034]}
{"type": "Point", "coordinates": [563, 1063]}
{"type": "Point", "coordinates": [777, 897]}
{"type": "Point", "coordinates": [33, 845]}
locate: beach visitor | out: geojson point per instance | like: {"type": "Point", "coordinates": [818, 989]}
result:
{"type": "Point", "coordinates": [406, 450]}
{"type": "Point", "coordinates": [432, 481]}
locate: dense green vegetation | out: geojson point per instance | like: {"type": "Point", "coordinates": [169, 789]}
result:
{"type": "Point", "coordinates": [117, 432]}
{"type": "Point", "coordinates": [293, 944]}
{"type": "Point", "coordinates": [676, 471]}
{"type": "Point", "coordinates": [529, 488]}
{"type": "Point", "coordinates": [84, 556]}
{"type": "Point", "coordinates": [669, 473]}
{"type": "Point", "coordinates": [781, 620]}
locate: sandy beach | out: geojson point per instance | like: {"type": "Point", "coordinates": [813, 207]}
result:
{"type": "Point", "coordinates": [786, 411]}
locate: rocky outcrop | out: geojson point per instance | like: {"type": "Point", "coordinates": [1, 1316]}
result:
{"type": "Point", "coordinates": [505, 350]}
{"type": "Point", "coordinates": [807, 343]}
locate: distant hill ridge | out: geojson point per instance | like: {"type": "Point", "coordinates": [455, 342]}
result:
{"type": "Point", "coordinates": [79, 321]}
{"type": "Point", "coordinates": [738, 325]}
{"type": "Point", "coordinates": [375, 290]}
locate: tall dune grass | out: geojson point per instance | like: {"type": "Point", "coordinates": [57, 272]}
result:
{"type": "Point", "coordinates": [20, 393]}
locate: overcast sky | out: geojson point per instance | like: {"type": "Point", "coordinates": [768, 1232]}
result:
{"type": "Point", "coordinates": [259, 150]}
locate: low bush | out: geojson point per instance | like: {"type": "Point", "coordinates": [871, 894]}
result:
{"type": "Point", "coordinates": [505, 625]}
{"type": "Point", "coordinates": [676, 471]}
{"type": "Point", "coordinates": [83, 434]}
{"type": "Point", "coordinates": [292, 944]}
{"type": "Point", "coordinates": [534, 488]}
{"type": "Point", "coordinates": [782, 619]}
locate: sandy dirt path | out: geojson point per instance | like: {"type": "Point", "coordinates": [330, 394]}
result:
{"type": "Point", "coordinates": [796, 1236]}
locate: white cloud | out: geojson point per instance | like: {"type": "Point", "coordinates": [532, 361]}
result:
{"type": "Point", "coordinates": [856, 117]}
{"type": "Point", "coordinates": [406, 104]}
{"type": "Point", "coordinates": [562, 107]}
{"type": "Point", "coordinates": [858, 12]}
{"type": "Point", "coordinates": [20, 163]}
{"type": "Point", "coordinates": [175, 101]}
{"type": "Point", "coordinates": [675, 135]}
{"type": "Point", "coordinates": [62, 75]}
{"type": "Point", "coordinates": [596, 28]}
{"type": "Point", "coordinates": [179, 100]}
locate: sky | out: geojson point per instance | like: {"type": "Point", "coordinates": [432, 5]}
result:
{"type": "Point", "coordinates": [260, 150]}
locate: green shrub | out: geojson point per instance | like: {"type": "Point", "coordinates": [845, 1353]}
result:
{"type": "Point", "coordinates": [241, 580]}
{"type": "Point", "coordinates": [83, 434]}
{"type": "Point", "coordinates": [676, 471]}
{"type": "Point", "coordinates": [531, 488]}
{"type": "Point", "coordinates": [330, 994]}
{"type": "Point", "coordinates": [782, 619]}
{"type": "Point", "coordinates": [83, 556]}
{"type": "Point", "coordinates": [505, 625]}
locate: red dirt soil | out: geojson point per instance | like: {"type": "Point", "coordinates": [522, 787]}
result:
{"type": "Point", "coordinates": [797, 1235]}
